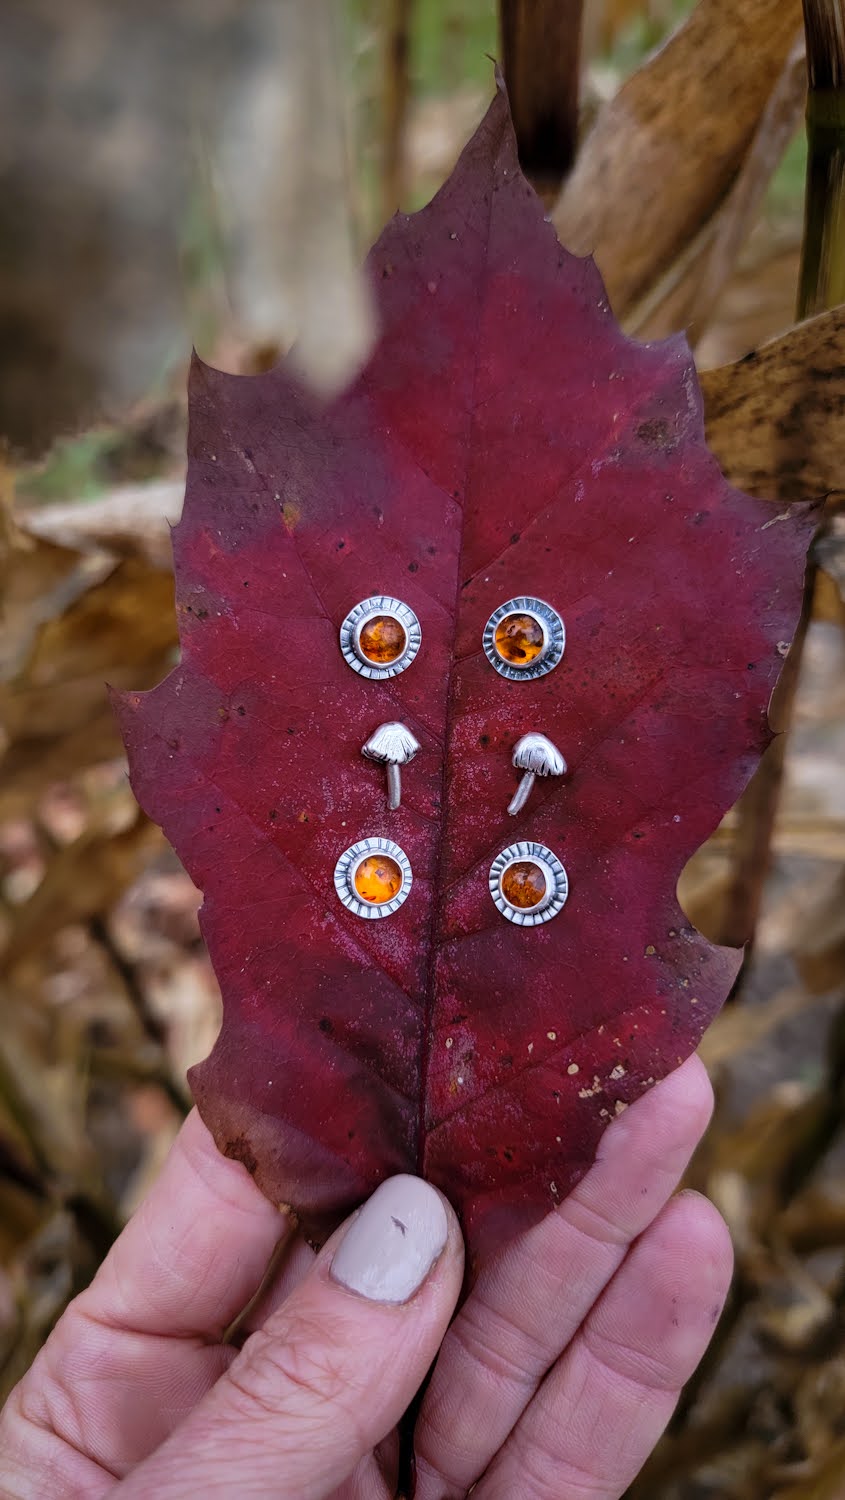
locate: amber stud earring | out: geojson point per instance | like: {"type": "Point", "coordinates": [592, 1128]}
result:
{"type": "Point", "coordinates": [528, 884]}
{"type": "Point", "coordinates": [394, 745]}
{"type": "Point", "coordinates": [524, 639]}
{"type": "Point", "coordinates": [373, 878]}
{"type": "Point", "coordinates": [380, 637]}
{"type": "Point", "coordinates": [534, 755]}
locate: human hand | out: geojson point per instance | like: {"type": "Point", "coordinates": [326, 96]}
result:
{"type": "Point", "coordinates": [555, 1379]}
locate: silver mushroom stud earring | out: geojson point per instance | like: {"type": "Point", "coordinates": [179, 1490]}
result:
{"type": "Point", "coordinates": [536, 756]}
{"type": "Point", "coordinates": [394, 745]}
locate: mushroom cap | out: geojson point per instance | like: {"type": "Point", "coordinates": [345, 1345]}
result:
{"type": "Point", "coordinates": [537, 754]}
{"type": "Point", "coordinates": [392, 743]}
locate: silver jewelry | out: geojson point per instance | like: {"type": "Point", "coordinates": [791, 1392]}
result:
{"type": "Point", "coordinates": [528, 884]}
{"type": "Point", "coordinates": [380, 637]}
{"type": "Point", "coordinates": [524, 639]}
{"type": "Point", "coordinates": [373, 878]}
{"type": "Point", "coordinates": [394, 745]}
{"type": "Point", "coordinates": [536, 756]}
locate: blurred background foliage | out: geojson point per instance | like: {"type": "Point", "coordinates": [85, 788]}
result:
{"type": "Point", "coordinates": [212, 171]}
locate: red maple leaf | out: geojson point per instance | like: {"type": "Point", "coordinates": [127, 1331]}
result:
{"type": "Point", "coordinates": [505, 440]}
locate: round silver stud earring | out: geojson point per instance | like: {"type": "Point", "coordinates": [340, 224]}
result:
{"type": "Point", "coordinates": [528, 884]}
{"type": "Point", "coordinates": [393, 745]}
{"type": "Point", "coordinates": [380, 637]}
{"type": "Point", "coordinates": [373, 878]}
{"type": "Point", "coordinates": [524, 639]}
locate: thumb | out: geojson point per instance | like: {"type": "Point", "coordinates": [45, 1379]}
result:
{"type": "Point", "coordinates": [333, 1369]}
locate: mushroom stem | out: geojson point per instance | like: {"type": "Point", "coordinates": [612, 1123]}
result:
{"type": "Point", "coordinates": [522, 793]}
{"type": "Point", "coordinates": [394, 785]}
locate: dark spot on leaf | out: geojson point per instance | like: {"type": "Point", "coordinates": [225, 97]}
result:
{"type": "Point", "coordinates": [413, 567]}
{"type": "Point", "coordinates": [202, 614]}
{"type": "Point", "coordinates": [273, 814]}
{"type": "Point", "coordinates": [700, 517]}
{"type": "Point", "coordinates": [507, 1060]}
{"type": "Point", "coordinates": [458, 1020]}
{"type": "Point", "coordinates": [240, 1150]}
{"type": "Point", "coordinates": [350, 1135]}
{"type": "Point", "coordinates": [508, 1155]}
{"type": "Point", "coordinates": [340, 545]}
{"type": "Point", "coordinates": [325, 1025]}
{"type": "Point", "coordinates": [514, 538]}
{"type": "Point", "coordinates": [217, 809]}
{"type": "Point", "coordinates": [484, 739]}
{"type": "Point", "coordinates": [291, 731]}
{"type": "Point", "coordinates": [241, 710]}
{"type": "Point", "coordinates": [432, 551]}
{"type": "Point", "coordinates": [246, 583]}
{"type": "Point", "coordinates": [656, 432]}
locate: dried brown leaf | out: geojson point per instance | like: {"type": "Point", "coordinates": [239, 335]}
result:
{"type": "Point", "coordinates": [776, 419]}
{"type": "Point", "coordinates": [686, 296]}
{"type": "Point", "coordinates": [827, 1483]}
{"type": "Point", "coordinates": [664, 152]}
{"type": "Point", "coordinates": [132, 521]}
{"type": "Point", "coordinates": [77, 621]}
{"type": "Point", "coordinates": [83, 880]}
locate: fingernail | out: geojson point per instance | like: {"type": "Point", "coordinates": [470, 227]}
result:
{"type": "Point", "coordinates": [392, 1245]}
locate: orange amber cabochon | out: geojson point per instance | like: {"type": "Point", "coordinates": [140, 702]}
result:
{"type": "Point", "coordinates": [377, 878]}
{"type": "Point", "coordinates": [519, 639]}
{"type": "Point", "coordinates": [382, 639]}
{"type": "Point", "coordinates": [524, 884]}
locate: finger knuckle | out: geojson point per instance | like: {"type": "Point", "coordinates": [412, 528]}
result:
{"type": "Point", "coordinates": [301, 1376]}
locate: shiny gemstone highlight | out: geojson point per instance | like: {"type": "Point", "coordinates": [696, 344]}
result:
{"type": "Point", "coordinates": [377, 879]}
{"type": "Point", "coordinates": [519, 639]}
{"type": "Point", "coordinates": [382, 639]}
{"type": "Point", "coordinates": [523, 884]}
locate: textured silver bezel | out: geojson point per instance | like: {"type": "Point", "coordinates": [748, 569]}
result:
{"type": "Point", "coordinates": [554, 639]}
{"type": "Point", "coordinates": [557, 884]}
{"type": "Point", "coordinates": [344, 876]}
{"type": "Point", "coordinates": [350, 634]}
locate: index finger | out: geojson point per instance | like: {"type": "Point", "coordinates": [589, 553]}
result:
{"type": "Point", "coordinates": [196, 1249]}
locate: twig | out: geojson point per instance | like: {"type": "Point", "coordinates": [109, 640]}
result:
{"type": "Point", "coordinates": [541, 59]}
{"type": "Point", "coordinates": [821, 282]}
{"type": "Point", "coordinates": [397, 92]}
